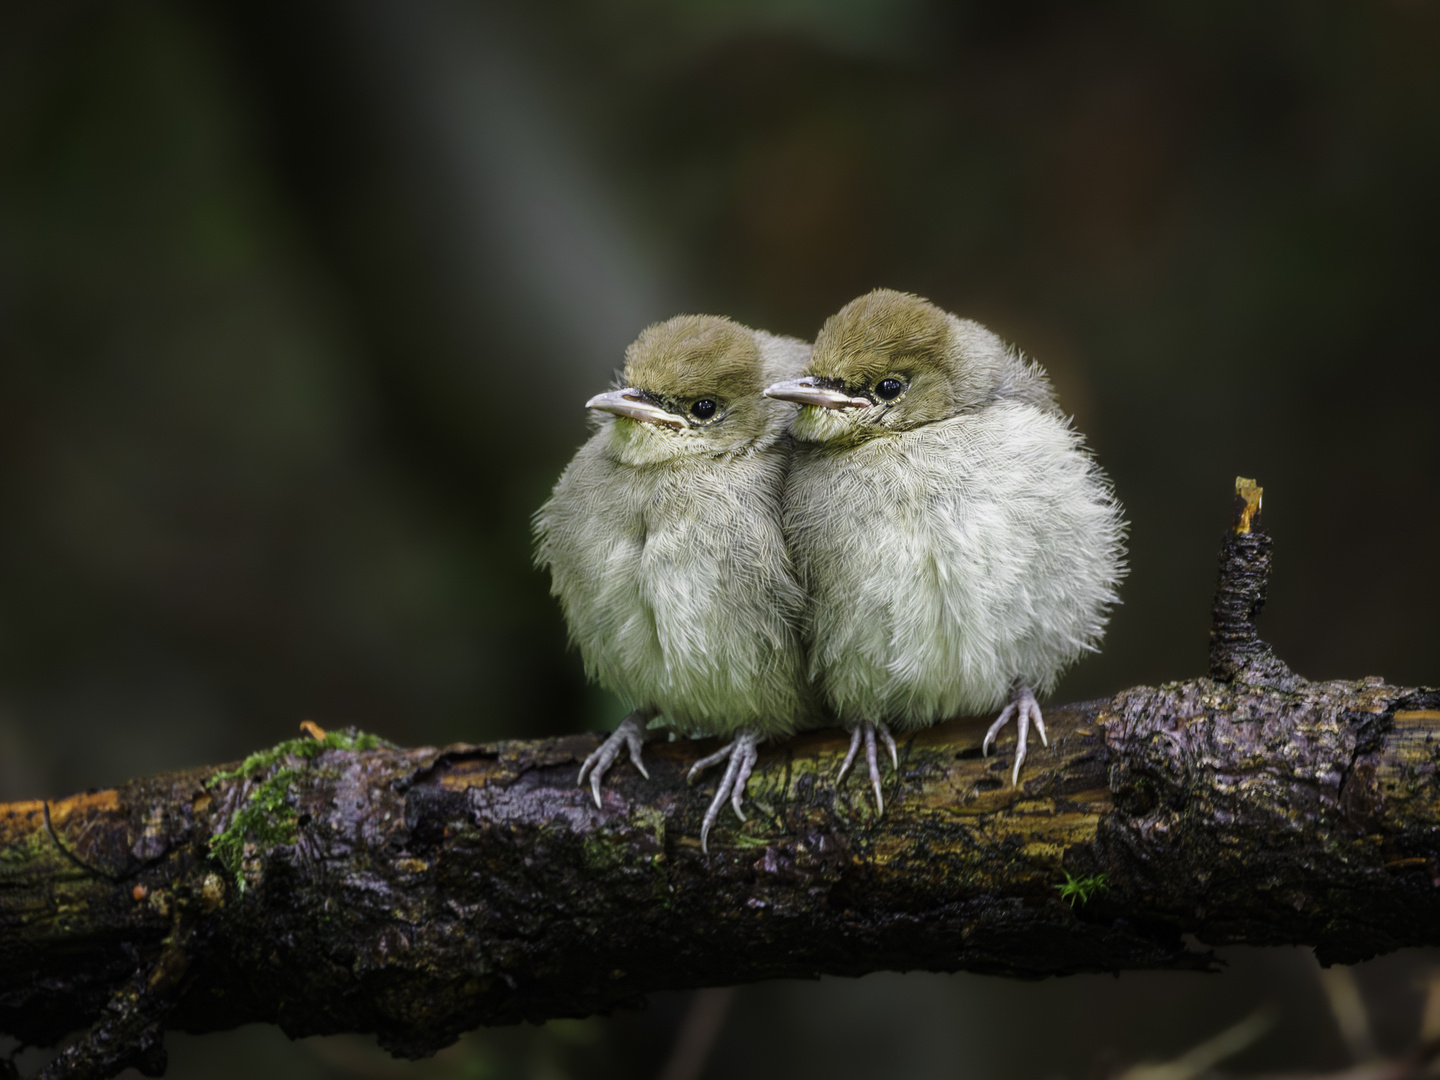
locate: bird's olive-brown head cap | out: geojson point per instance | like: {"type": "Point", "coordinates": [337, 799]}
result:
{"type": "Point", "coordinates": [891, 361]}
{"type": "Point", "coordinates": [691, 357]}
{"type": "Point", "coordinates": [879, 334]}
{"type": "Point", "coordinates": [884, 361]}
{"type": "Point", "coordinates": [697, 379]}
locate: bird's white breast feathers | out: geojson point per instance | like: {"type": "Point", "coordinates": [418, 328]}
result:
{"type": "Point", "coordinates": [678, 588]}
{"type": "Point", "coordinates": [945, 561]}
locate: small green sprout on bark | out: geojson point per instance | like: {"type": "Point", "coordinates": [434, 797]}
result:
{"type": "Point", "coordinates": [267, 818]}
{"type": "Point", "coordinates": [1082, 888]}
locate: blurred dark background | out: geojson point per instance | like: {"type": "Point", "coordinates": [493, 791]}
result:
{"type": "Point", "coordinates": [299, 303]}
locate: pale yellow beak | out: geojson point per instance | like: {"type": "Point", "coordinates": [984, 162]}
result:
{"type": "Point", "coordinates": [807, 391]}
{"type": "Point", "coordinates": [629, 402]}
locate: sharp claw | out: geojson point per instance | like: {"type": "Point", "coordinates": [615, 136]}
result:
{"type": "Point", "coordinates": [705, 762]}
{"type": "Point", "coordinates": [596, 766]}
{"type": "Point", "coordinates": [1026, 710]}
{"type": "Point", "coordinates": [721, 794]}
{"type": "Point", "coordinates": [629, 733]}
{"type": "Point", "coordinates": [737, 794]}
{"type": "Point", "coordinates": [874, 766]}
{"type": "Point", "coordinates": [1022, 738]}
{"type": "Point", "coordinates": [849, 757]}
{"type": "Point", "coordinates": [890, 742]}
{"type": "Point", "coordinates": [742, 752]}
{"type": "Point", "coordinates": [588, 765]}
{"type": "Point", "coordinates": [711, 813]}
{"type": "Point", "coordinates": [635, 758]}
{"type": "Point", "coordinates": [995, 728]}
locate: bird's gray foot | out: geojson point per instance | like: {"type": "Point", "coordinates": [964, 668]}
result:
{"type": "Point", "coordinates": [1025, 709]}
{"type": "Point", "coordinates": [741, 754]}
{"type": "Point", "coordinates": [866, 730]}
{"type": "Point", "coordinates": [630, 734]}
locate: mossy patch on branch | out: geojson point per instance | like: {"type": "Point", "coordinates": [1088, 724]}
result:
{"type": "Point", "coordinates": [267, 818]}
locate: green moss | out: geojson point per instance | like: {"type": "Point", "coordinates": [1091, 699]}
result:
{"type": "Point", "coordinates": [31, 848]}
{"type": "Point", "coordinates": [1083, 889]}
{"type": "Point", "coordinates": [653, 822]}
{"type": "Point", "coordinates": [305, 747]}
{"type": "Point", "coordinates": [742, 840]}
{"type": "Point", "coordinates": [267, 818]}
{"type": "Point", "coordinates": [601, 851]}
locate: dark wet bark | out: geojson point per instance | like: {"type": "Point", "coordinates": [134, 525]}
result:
{"type": "Point", "coordinates": [419, 893]}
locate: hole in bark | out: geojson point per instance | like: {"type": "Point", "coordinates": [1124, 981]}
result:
{"type": "Point", "coordinates": [988, 784]}
{"type": "Point", "coordinates": [1136, 799]}
{"type": "Point", "coordinates": [969, 754]}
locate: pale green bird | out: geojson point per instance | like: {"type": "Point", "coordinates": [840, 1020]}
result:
{"type": "Point", "coordinates": [959, 545]}
{"type": "Point", "coordinates": [665, 549]}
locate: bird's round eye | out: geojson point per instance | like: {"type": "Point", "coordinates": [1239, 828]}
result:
{"type": "Point", "coordinates": [703, 409]}
{"type": "Point", "coordinates": [888, 389]}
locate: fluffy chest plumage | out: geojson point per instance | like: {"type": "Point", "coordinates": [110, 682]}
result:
{"type": "Point", "coordinates": [677, 586]}
{"type": "Point", "coordinates": [944, 562]}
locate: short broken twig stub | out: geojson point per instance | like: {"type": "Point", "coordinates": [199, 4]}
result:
{"type": "Point", "coordinates": [1236, 651]}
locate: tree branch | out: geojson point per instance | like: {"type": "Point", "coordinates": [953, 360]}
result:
{"type": "Point", "coordinates": [419, 893]}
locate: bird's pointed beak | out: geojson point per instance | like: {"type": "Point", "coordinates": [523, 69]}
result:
{"type": "Point", "coordinates": [808, 391]}
{"type": "Point", "coordinates": [629, 402]}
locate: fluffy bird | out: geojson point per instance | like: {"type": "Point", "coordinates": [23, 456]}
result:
{"type": "Point", "coordinates": [664, 544]}
{"type": "Point", "coordinates": [958, 543]}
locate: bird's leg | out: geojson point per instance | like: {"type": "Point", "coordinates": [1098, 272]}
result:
{"type": "Point", "coordinates": [630, 734]}
{"type": "Point", "coordinates": [866, 730]}
{"type": "Point", "coordinates": [741, 753]}
{"type": "Point", "coordinates": [1025, 709]}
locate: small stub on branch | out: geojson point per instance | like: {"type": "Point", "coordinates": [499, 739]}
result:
{"type": "Point", "coordinates": [1236, 651]}
{"type": "Point", "coordinates": [1248, 495]}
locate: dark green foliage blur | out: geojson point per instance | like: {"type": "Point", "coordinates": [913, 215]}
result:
{"type": "Point", "coordinates": [300, 302]}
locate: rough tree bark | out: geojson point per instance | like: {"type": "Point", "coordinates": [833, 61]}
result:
{"type": "Point", "coordinates": [418, 893]}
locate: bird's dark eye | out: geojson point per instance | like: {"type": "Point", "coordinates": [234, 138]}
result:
{"type": "Point", "coordinates": [703, 409]}
{"type": "Point", "coordinates": [888, 389]}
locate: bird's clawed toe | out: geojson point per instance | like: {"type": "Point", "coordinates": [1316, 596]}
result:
{"type": "Point", "coordinates": [741, 755]}
{"type": "Point", "coordinates": [1025, 710]}
{"type": "Point", "coordinates": [629, 735]}
{"type": "Point", "coordinates": [865, 732]}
